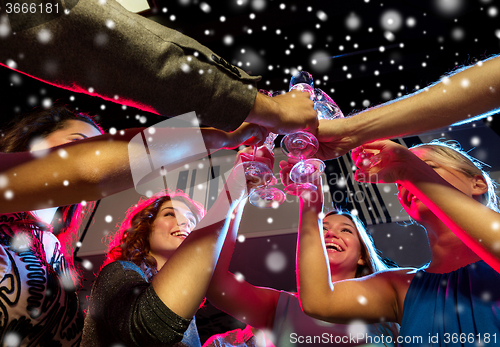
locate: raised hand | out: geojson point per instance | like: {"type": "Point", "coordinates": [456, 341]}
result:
{"type": "Point", "coordinates": [243, 184]}
{"type": "Point", "coordinates": [247, 133]}
{"type": "Point", "coordinates": [383, 162]}
{"type": "Point", "coordinates": [284, 114]}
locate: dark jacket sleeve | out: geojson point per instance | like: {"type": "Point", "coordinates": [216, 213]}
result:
{"type": "Point", "coordinates": [99, 48]}
{"type": "Point", "coordinates": [127, 306]}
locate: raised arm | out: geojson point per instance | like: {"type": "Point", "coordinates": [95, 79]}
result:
{"type": "Point", "coordinates": [103, 165]}
{"type": "Point", "coordinates": [469, 92]}
{"type": "Point", "coordinates": [457, 210]}
{"type": "Point", "coordinates": [253, 305]}
{"type": "Point", "coordinates": [369, 299]}
{"type": "Point", "coordinates": [250, 304]}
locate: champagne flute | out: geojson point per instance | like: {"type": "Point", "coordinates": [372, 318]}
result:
{"type": "Point", "coordinates": [302, 145]}
{"type": "Point", "coordinates": [266, 196]}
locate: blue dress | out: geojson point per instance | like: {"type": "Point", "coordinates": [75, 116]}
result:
{"type": "Point", "coordinates": [460, 308]}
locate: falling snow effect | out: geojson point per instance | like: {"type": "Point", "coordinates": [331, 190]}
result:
{"type": "Point", "coordinates": [320, 62]}
{"type": "Point", "coordinates": [21, 242]}
{"type": "Point", "coordinates": [259, 5]}
{"type": "Point", "coordinates": [372, 75]}
{"type": "Point", "coordinates": [353, 21]}
{"type": "Point", "coordinates": [458, 34]}
{"type": "Point", "coordinates": [276, 261]}
{"type": "Point", "coordinates": [391, 20]}
{"type": "Point", "coordinates": [12, 339]}
{"type": "Point", "coordinates": [449, 7]}
{"type": "Point", "coordinates": [44, 36]}
{"type": "Point", "coordinates": [357, 327]}
{"type": "Point", "coordinates": [4, 26]}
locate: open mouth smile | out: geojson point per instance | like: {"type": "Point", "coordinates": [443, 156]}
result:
{"type": "Point", "coordinates": [180, 233]}
{"type": "Point", "coordinates": [335, 247]}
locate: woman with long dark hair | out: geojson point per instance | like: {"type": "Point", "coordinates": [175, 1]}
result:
{"type": "Point", "coordinates": [351, 254]}
{"type": "Point", "coordinates": [454, 299]}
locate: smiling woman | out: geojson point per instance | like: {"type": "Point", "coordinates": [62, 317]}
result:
{"type": "Point", "coordinates": [158, 269]}
{"type": "Point", "coordinates": [36, 257]}
{"type": "Point", "coordinates": [345, 234]}
{"type": "Point", "coordinates": [154, 229]}
{"type": "Point", "coordinates": [441, 188]}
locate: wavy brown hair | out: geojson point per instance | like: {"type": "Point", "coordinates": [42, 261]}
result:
{"type": "Point", "coordinates": [131, 242]}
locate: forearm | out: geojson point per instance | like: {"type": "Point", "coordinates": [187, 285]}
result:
{"type": "Point", "coordinates": [313, 275]}
{"type": "Point", "coordinates": [475, 224]}
{"type": "Point", "coordinates": [236, 297]}
{"type": "Point", "coordinates": [94, 168]}
{"type": "Point", "coordinates": [189, 270]}
{"type": "Point", "coordinates": [468, 93]}
{"type": "Point", "coordinates": [101, 49]}
{"type": "Point", "coordinates": [222, 277]}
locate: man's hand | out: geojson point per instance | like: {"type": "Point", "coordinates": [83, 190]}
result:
{"type": "Point", "coordinates": [247, 134]}
{"type": "Point", "coordinates": [284, 114]}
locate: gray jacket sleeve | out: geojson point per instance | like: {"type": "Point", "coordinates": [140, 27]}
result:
{"type": "Point", "coordinates": [99, 48]}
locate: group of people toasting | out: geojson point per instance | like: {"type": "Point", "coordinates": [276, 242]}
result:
{"type": "Point", "coordinates": [168, 254]}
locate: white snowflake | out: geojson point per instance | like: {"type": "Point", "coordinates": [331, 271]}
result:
{"type": "Point", "coordinates": [44, 36]}
{"type": "Point", "coordinates": [276, 261]}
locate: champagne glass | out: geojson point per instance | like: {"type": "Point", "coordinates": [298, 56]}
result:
{"type": "Point", "coordinates": [302, 145]}
{"type": "Point", "coordinates": [255, 171]}
{"type": "Point", "coordinates": [266, 196]}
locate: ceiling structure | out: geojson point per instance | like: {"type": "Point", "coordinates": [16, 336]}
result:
{"type": "Point", "coordinates": [361, 52]}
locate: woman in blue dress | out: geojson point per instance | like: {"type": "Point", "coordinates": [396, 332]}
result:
{"type": "Point", "coordinates": [453, 300]}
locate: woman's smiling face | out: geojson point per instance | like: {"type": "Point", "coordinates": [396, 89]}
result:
{"type": "Point", "coordinates": [173, 223]}
{"type": "Point", "coordinates": [342, 242]}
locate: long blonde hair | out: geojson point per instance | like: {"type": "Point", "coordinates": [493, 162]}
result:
{"type": "Point", "coordinates": [450, 154]}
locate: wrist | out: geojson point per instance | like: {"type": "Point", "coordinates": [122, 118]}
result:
{"type": "Point", "coordinates": [264, 111]}
{"type": "Point", "coordinates": [214, 138]}
{"type": "Point", "coordinates": [414, 170]}
{"type": "Point", "coordinates": [358, 127]}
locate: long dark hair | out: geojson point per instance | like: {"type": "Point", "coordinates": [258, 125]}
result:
{"type": "Point", "coordinates": [131, 242]}
{"type": "Point", "coordinates": [40, 122]}
{"type": "Point", "coordinates": [17, 137]}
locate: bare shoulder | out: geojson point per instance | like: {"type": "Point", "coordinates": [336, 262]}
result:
{"type": "Point", "coordinates": [400, 280]}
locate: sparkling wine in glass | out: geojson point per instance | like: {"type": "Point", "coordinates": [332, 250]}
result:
{"type": "Point", "coordinates": [302, 145]}
{"type": "Point", "coordinates": [266, 196]}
